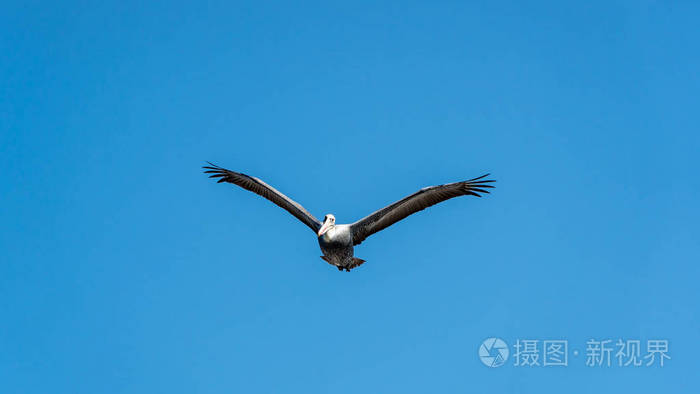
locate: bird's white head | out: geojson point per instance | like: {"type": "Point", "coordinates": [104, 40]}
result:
{"type": "Point", "coordinates": [328, 223]}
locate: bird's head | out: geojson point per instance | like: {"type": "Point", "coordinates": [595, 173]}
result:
{"type": "Point", "coordinates": [328, 223]}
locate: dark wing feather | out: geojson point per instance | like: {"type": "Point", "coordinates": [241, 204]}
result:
{"type": "Point", "coordinates": [261, 188]}
{"type": "Point", "coordinates": [424, 198]}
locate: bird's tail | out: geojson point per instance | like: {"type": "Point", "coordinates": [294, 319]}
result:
{"type": "Point", "coordinates": [356, 262]}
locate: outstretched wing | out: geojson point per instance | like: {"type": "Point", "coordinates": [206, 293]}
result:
{"type": "Point", "coordinates": [261, 188]}
{"type": "Point", "coordinates": [424, 198]}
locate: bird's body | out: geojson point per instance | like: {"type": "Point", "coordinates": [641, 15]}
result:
{"type": "Point", "coordinates": [337, 248]}
{"type": "Point", "coordinates": [337, 241]}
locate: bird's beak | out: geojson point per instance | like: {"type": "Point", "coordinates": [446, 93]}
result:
{"type": "Point", "coordinates": [324, 228]}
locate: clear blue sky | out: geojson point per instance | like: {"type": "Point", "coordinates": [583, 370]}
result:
{"type": "Point", "coordinates": [123, 269]}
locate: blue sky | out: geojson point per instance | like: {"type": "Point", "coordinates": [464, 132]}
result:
{"type": "Point", "coordinates": [123, 269]}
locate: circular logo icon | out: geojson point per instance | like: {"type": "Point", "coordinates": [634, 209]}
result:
{"type": "Point", "coordinates": [493, 352]}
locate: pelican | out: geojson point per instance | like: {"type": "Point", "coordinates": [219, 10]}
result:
{"type": "Point", "coordinates": [337, 241]}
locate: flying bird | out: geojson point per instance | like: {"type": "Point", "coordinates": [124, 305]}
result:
{"type": "Point", "coordinates": [337, 241]}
